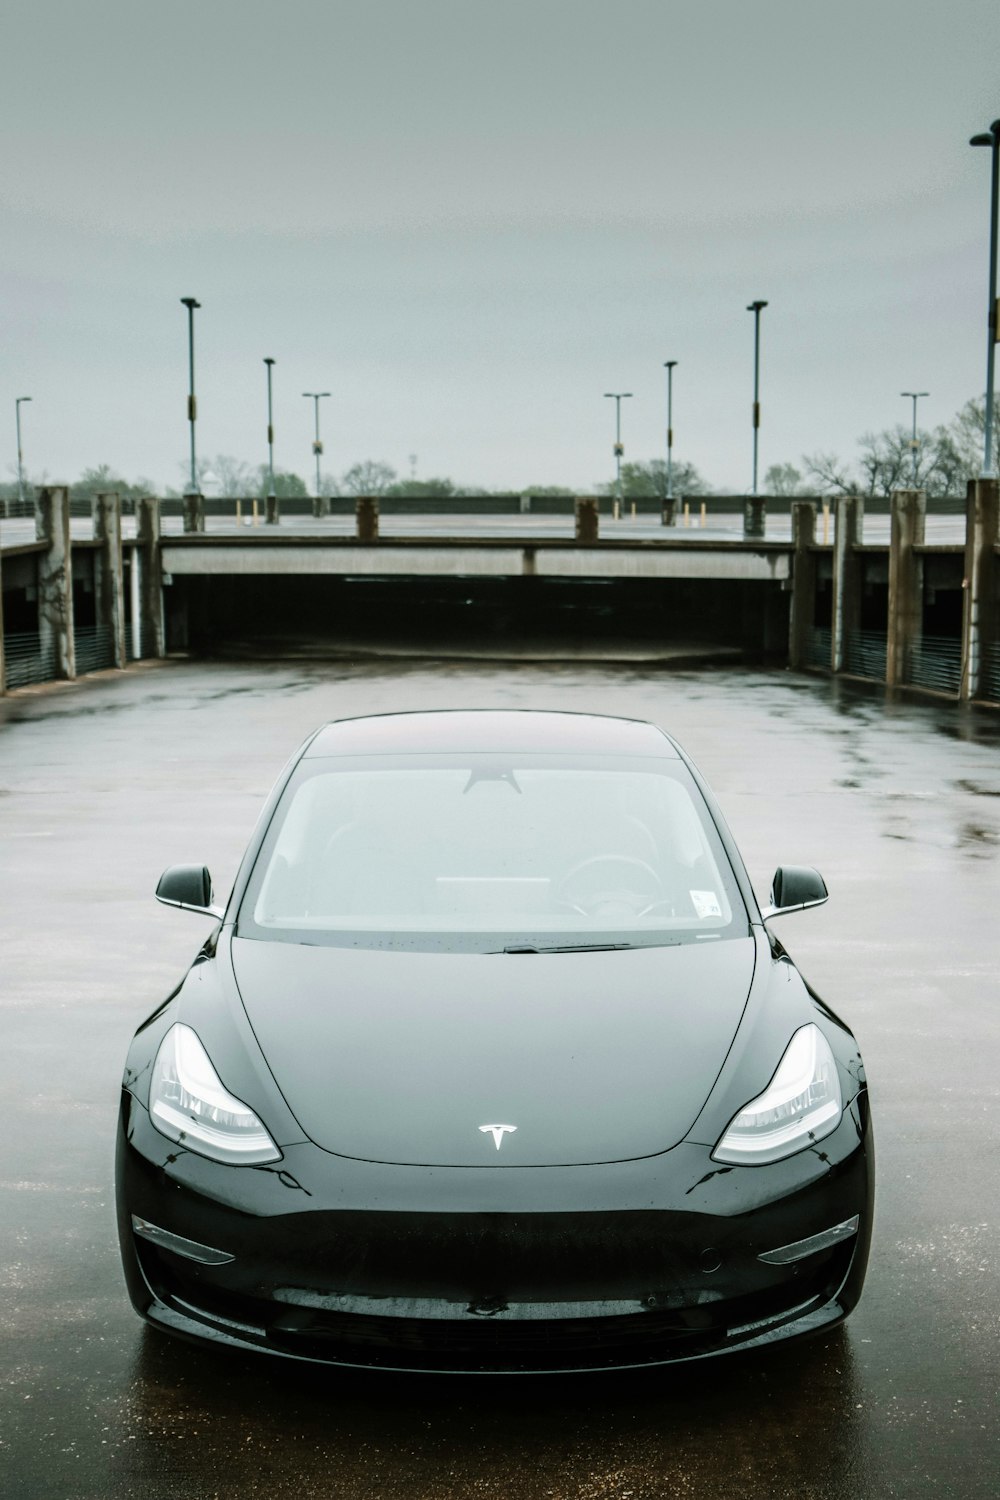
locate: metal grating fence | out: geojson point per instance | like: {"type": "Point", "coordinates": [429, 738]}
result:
{"type": "Point", "coordinates": [865, 654]}
{"type": "Point", "coordinates": [989, 686]}
{"type": "Point", "coordinates": [935, 662]}
{"type": "Point", "coordinates": [94, 648]}
{"type": "Point", "coordinates": [818, 647]}
{"type": "Point", "coordinates": [26, 660]}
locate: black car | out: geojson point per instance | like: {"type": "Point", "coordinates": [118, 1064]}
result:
{"type": "Point", "coordinates": [492, 1064]}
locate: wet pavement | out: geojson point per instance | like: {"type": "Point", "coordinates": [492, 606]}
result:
{"type": "Point", "coordinates": [104, 783]}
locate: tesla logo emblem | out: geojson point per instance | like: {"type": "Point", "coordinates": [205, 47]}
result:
{"type": "Point", "coordinates": [497, 1132]}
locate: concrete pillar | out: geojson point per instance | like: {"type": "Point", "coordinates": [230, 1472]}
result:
{"type": "Point", "coordinates": [754, 515]}
{"type": "Point", "coordinates": [55, 579]}
{"type": "Point", "coordinates": [849, 518]}
{"type": "Point", "coordinates": [908, 510]}
{"type": "Point", "coordinates": [587, 523]}
{"type": "Point", "coordinates": [981, 584]}
{"type": "Point", "coordinates": [321, 506]}
{"type": "Point", "coordinates": [147, 556]}
{"type": "Point", "coordinates": [366, 519]}
{"type": "Point", "coordinates": [193, 510]}
{"type": "Point", "coordinates": [132, 602]}
{"type": "Point", "coordinates": [108, 575]}
{"type": "Point", "coordinates": [803, 607]}
{"type": "Point", "coordinates": [272, 510]}
{"type": "Point", "coordinates": [668, 513]}
{"type": "Point", "coordinates": [3, 667]}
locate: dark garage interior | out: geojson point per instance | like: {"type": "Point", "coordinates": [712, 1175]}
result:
{"type": "Point", "coordinates": [275, 615]}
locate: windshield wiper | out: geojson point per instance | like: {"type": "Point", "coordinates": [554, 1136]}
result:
{"type": "Point", "coordinates": [567, 948]}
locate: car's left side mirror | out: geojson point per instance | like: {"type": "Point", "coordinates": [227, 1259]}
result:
{"type": "Point", "coordinates": [795, 888]}
{"type": "Point", "coordinates": [189, 887]}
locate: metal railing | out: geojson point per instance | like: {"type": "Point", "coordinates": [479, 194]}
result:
{"type": "Point", "coordinates": [935, 662]}
{"type": "Point", "coordinates": [26, 660]}
{"type": "Point", "coordinates": [865, 654]}
{"type": "Point", "coordinates": [818, 647]}
{"type": "Point", "coordinates": [94, 648]}
{"type": "Point", "coordinates": [989, 687]}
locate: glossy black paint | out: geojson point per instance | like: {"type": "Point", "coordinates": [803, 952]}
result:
{"type": "Point", "coordinates": [185, 885]}
{"type": "Point", "coordinates": [796, 886]}
{"type": "Point", "coordinates": [442, 1041]}
{"type": "Point", "coordinates": [393, 1234]}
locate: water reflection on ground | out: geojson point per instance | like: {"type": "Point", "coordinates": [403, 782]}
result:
{"type": "Point", "coordinates": [898, 803]}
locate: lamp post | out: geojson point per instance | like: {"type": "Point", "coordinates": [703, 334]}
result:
{"type": "Point", "coordinates": [191, 304]}
{"type": "Point", "coordinates": [18, 403]}
{"type": "Point", "coordinates": [618, 397]}
{"type": "Point", "coordinates": [271, 493]}
{"type": "Point", "coordinates": [316, 397]}
{"type": "Point", "coordinates": [755, 308]}
{"type": "Point", "coordinates": [669, 366]}
{"type": "Point", "coordinates": [991, 138]}
{"type": "Point", "coordinates": [914, 396]}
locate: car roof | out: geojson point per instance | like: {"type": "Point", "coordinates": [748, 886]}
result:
{"type": "Point", "coordinates": [485, 731]}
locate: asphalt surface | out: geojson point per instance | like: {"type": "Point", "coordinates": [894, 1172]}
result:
{"type": "Point", "coordinates": [104, 783]}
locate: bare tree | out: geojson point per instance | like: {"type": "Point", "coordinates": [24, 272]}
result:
{"type": "Point", "coordinates": [954, 466]}
{"type": "Point", "coordinates": [965, 434]}
{"type": "Point", "coordinates": [783, 479]}
{"type": "Point", "coordinates": [236, 480]}
{"type": "Point", "coordinates": [947, 459]}
{"type": "Point", "coordinates": [884, 465]}
{"type": "Point", "coordinates": [829, 475]}
{"type": "Point", "coordinates": [368, 478]}
{"type": "Point", "coordinates": [886, 462]}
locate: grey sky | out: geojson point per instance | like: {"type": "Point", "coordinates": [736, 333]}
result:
{"type": "Point", "coordinates": [468, 220]}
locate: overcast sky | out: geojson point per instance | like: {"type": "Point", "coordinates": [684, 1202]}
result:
{"type": "Point", "coordinates": [468, 219]}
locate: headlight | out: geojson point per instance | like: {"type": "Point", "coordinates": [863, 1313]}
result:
{"type": "Point", "coordinates": [800, 1105]}
{"type": "Point", "coordinates": [188, 1103]}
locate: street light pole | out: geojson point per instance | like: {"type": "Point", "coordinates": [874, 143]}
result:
{"type": "Point", "coordinates": [191, 304]}
{"type": "Point", "coordinates": [618, 397]}
{"type": "Point", "coordinates": [18, 403]}
{"type": "Point", "coordinates": [669, 365]}
{"type": "Point", "coordinates": [755, 308]}
{"type": "Point", "coordinates": [271, 495]}
{"type": "Point", "coordinates": [914, 396]}
{"type": "Point", "coordinates": [991, 139]}
{"type": "Point", "coordinates": [316, 397]}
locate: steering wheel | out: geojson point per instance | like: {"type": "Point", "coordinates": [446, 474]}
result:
{"type": "Point", "coordinates": [611, 885]}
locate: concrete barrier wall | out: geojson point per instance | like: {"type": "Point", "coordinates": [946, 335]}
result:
{"type": "Point", "coordinates": [489, 505]}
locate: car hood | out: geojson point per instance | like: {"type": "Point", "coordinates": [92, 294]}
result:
{"type": "Point", "coordinates": [406, 1057]}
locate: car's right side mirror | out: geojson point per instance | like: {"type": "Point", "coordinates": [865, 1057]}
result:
{"type": "Point", "coordinates": [795, 888]}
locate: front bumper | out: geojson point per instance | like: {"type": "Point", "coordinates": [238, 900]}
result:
{"type": "Point", "coordinates": [525, 1270]}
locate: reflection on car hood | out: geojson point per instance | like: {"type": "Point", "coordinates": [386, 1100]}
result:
{"type": "Point", "coordinates": [404, 1057]}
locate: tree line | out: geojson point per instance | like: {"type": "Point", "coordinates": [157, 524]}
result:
{"type": "Point", "coordinates": [947, 457]}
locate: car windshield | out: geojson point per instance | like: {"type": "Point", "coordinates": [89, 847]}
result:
{"type": "Point", "coordinates": [473, 853]}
